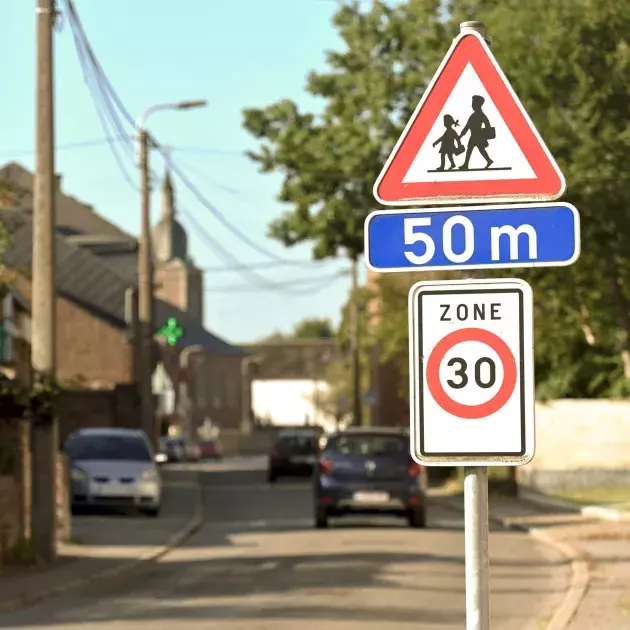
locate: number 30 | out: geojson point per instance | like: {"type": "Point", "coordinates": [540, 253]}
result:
{"type": "Point", "coordinates": [461, 372]}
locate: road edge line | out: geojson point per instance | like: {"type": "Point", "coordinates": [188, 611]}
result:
{"type": "Point", "coordinates": [174, 541]}
{"type": "Point", "coordinates": [580, 579]}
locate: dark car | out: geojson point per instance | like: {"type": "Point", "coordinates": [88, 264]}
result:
{"type": "Point", "coordinates": [293, 454]}
{"type": "Point", "coordinates": [369, 471]}
{"type": "Point", "coordinates": [211, 448]}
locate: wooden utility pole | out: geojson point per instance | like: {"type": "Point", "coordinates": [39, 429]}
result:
{"type": "Point", "coordinates": [45, 430]}
{"type": "Point", "coordinates": [354, 344]}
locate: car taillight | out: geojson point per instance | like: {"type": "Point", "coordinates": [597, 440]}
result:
{"type": "Point", "coordinates": [414, 469]}
{"type": "Point", "coordinates": [325, 466]}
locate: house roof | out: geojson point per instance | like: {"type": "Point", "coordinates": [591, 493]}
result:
{"type": "Point", "coordinates": [71, 215]}
{"type": "Point", "coordinates": [80, 277]}
{"type": "Point", "coordinates": [96, 261]}
{"type": "Point", "coordinates": [89, 282]}
{"type": "Point", "coordinates": [193, 333]}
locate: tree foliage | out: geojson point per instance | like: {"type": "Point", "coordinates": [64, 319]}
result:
{"type": "Point", "coordinates": [569, 63]}
{"type": "Point", "coordinates": [309, 328]}
{"type": "Point", "coordinates": [314, 328]}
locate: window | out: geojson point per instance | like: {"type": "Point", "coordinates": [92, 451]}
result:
{"type": "Point", "coordinates": [369, 445]}
{"type": "Point", "coordinates": [108, 448]}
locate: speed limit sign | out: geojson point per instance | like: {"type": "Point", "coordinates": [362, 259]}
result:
{"type": "Point", "coordinates": [472, 372]}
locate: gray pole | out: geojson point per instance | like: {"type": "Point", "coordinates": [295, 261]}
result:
{"type": "Point", "coordinates": [145, 294]}
{"type": "Point", "coordinates": [44, 437]}
{"type": "Point", "coordinates": [476, 512]}
{"type": "Point", "coordinates": [145, 271]}
{"type": "Point", "coordinates": [354, 342]}
{"type": "Point", "coordinates": [476, 539]}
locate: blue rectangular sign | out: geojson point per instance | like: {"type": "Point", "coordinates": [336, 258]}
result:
{"type": "Point", "coordinates": [473, 237]}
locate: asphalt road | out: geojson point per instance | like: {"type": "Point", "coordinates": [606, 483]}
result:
{"type": "Point", "coordinates": [257, 564]}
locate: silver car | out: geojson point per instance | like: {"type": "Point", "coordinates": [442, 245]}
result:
{"type": "Point", "coordinates": [113, 467]}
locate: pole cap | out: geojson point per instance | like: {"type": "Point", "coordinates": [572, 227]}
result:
{"type": "Point", "coordinates": [473, 26]}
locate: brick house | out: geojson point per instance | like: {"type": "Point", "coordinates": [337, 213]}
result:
{"type": "Point", "coordinates": [97, 326]}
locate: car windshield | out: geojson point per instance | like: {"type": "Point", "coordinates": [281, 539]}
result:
{"type": "Point", "coordinates": [108, 447]}
{"type": "Point", "coordinates": [298, 444]}
{"type": "Point", "coordinates": [370, 445]}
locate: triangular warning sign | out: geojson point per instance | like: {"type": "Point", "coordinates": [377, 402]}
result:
{"type": "Point", "coordinates": [469, 140]}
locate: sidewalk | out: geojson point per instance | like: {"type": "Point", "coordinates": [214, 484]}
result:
{"type": "Point", "coordinates": [107, 545]}
{"type": "Point", "coordinates": [599, 546]}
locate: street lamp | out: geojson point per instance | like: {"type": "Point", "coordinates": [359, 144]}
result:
{"type": "Point", "coordinates": [145, 270]}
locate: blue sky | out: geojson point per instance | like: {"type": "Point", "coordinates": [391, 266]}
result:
{"type": "Point", "coordinates": [236, 54]}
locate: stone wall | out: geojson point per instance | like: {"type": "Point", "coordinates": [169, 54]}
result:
{"type": "Point", "coordinates": [580, 443]}
{"type": "Point", "coordinates": [16, 488]}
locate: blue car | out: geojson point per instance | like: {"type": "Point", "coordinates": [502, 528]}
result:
{"type": "Point", "coordinates": [369, 471]}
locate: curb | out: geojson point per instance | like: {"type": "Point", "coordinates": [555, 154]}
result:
{"type": "Point", "coordinates": [579, 566]}
{"type": "Point", "coordinates": [580, 578]}
{"type": "Point", "coordinates": [174, 541]}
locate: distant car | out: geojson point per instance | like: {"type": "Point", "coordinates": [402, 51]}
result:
{"type": "Point", "coordinates": [192, 451]}
{"type": "Point", "coordinates": [211, 449]}
{"type": "Point", "coordinates": [369, 471]}
{"type": "Point", "coordinates": [173, 449]}
{"type": "Point", "coordinates": [293, 454]}
{"type": "Point", "coordinates": [113, 467]}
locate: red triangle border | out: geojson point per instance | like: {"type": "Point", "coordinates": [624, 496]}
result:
{"type": "Point", "coordinates": [547, 185]}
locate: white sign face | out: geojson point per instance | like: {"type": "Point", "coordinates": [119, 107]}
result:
{"type": "Point", "coordinates": [509, 160]}
{"type": "Point", "coordinates": [471, 372]}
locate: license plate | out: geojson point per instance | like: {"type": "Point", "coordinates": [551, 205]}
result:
{"type": "Point", "coordinates": [371, 497]}
{"type": "Point", "coordinates": [302, 460]}
{"type": "Point", "coordinates": [111, 490]}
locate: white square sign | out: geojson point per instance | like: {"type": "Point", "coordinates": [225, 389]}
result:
{"type": "Point", "coordinates": [471, 372]}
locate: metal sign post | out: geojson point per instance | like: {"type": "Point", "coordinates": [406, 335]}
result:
{"type": "Point", "coordinates": [476, 518]}
{"type": "Point", "coordinates": [471, 349]}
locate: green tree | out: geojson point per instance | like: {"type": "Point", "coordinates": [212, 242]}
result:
{"type": "Point", "coordinates": [314, 328]}
{"type": "Point", "coordinates": [309, 328]}
{"type": "Point", "coordinates": [569, 62]}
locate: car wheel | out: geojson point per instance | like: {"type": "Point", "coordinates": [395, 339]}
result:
{"type": "Point", "coordinates": [151, 512]}
{"type": "Point", "coordinates": [321, 519]}
{"type": "Point", "coordinates": [417, 518]}
{"type": "Point", "coordinates": [272, 476]}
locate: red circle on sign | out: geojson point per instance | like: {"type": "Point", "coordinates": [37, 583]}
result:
{"type": "Point", "coordinates": [471, 412]}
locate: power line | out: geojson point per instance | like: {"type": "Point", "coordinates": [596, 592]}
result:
{"type": "Point", "coordinates": [318, 285]}
{"type": "Point", "coordinates": [246, 273]}
{"type": "Point", "coordinates": [104, 96]}
{"type": "Point", "coordinates": [96, 142]}
{"type": "Point", "coordinates": [88, 61]}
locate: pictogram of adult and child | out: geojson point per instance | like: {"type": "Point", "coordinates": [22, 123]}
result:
{"type": "Point", "coordinates": [481, 132]}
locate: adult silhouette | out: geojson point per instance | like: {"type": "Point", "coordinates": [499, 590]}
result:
{"type": "Point", "coordinates": [480, 131]}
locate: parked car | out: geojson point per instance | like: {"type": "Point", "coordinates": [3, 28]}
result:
{"type": "Point", "coordinates": [113, 467]}
{"type": "Point", "coordinates": [369, 471]}
{"type": "Point", "coordinates": [293, 454]}
{"type": "Point", "coordinates": [173, 449]}
{"type": "Point", "coordinates": [211, 449]}
{"type": "Point", "coordinates": [192, 451]}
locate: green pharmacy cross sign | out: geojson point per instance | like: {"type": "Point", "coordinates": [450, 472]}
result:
{"type": "Point", "coordinates": [171, 331]}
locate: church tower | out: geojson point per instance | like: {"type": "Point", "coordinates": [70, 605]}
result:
{"type": "Point", "coordinates": [177, 279]}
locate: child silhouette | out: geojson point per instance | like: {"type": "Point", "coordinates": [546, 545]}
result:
{"type": "Point", "coordinates": [449, 142]}
{"type": "Point", "coordinates": [480, 128]}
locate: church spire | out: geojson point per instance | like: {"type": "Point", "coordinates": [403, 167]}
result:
{"type": "Point", "coordinates": [168, 198]}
